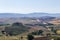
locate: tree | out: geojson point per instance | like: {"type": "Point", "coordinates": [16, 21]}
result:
{"type": "Point", "coordinates": [40, 32]}
{"type": "Point", "coordinates": [17, 24]}
{"type": "Point", "coordinates": [3, 32]}
{"type": "Point", "coordinates": [34, 33]}
{"type": "Point", "coordinates": [30, 37]}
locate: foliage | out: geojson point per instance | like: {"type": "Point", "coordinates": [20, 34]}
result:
{"type": "Point", "coordinates": [30, 37]}
{"type": "Point", "coordinates": [15, 29]}
{"type": "Point", "coordinates": [39, 32]}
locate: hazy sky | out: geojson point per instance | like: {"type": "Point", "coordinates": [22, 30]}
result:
{"type": "Point", "coordinates": [28, 6]}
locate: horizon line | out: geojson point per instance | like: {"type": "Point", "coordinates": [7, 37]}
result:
{"type": "Point", "coordinates": [30, 12]}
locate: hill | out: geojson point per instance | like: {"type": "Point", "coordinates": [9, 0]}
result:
{"type": "Point", "coordinates": [15, 29]}
{"type": "Point", "coordinates": [36, 14]}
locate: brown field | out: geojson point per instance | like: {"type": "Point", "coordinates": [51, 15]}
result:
{"type": "Point", "coordinates": [55, 21]}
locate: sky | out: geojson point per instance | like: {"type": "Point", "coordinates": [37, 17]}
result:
{"type": "Point", "coordinates": [29, 6]}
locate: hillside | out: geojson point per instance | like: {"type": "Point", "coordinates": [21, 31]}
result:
{"type": "Point", "coordinates": [34, 21]}
{"type": "Point", "coordinates": [35, 14]}
{"type": "Point", "coordinates": [15, 29]}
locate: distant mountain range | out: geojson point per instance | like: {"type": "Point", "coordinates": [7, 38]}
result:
{"type": "Point", "coordinates": [8, 15]}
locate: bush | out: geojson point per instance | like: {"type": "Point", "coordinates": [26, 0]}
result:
{"type": "Point", "coordinates": [38, 32]}
{"type": "Point", "coordinates": [30, 37]}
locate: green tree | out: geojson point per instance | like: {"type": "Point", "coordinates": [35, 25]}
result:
{"type": "Point", "coordinates": [30, 37]}
{"type": "Point", "coordinates": [40, 32]}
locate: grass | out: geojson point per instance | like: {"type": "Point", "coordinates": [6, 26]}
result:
{"type": "Point", "coordinates": [24, 37]}
{"type": "Point", "coordinates": [55, 37]}
{"type": "Point", "coordinates": [12, 38]}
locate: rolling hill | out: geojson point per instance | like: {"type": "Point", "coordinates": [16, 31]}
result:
{"type": "Point", "coordinates": [36, 14]}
